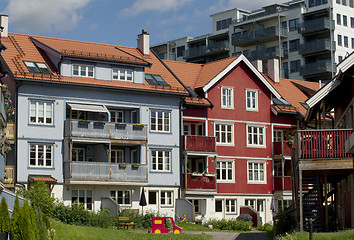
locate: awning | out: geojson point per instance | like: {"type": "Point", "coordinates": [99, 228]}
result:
{"type": "Point", "coordinates": [87, 107]}
{"type": "Point", "coordinates": [46, 178]}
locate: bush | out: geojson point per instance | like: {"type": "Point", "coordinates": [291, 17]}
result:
{"type": "Point", "coordinates": [267, 227]}
{"type": "Point", "coordinates": [141, 221]}
{"type": "Point", "coordinates": [43, 225]}
{"type": "Point", "coordinates": [16, 220]}
{"type": "Point", "coordinates": [229, 224]}
{"type": "Point", "coordinates": [40, 197]}
{"type": "Point", "coordinates": [5, 225]}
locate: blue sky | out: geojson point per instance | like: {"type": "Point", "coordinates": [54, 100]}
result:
{"type": "Point", "coordinates": [117, 21]}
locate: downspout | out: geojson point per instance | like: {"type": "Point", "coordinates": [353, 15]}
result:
{"type": "Point", "coordinates": [331, 36]}
{"type": "Point", "coordinates": [280, 47]}
{"type": "Point", "coordinates": [18, 85]}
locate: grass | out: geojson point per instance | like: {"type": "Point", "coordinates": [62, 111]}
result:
{"type": "Point", "coordinates": [342, 235]}
{"type": "Point", "coordinates": [187, 226]}
{"type": "Point", "coordinates": [73, 232]}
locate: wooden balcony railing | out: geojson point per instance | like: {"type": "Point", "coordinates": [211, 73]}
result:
{"type": "Point", "coordinates": [10, 132]}
{"type": "Point", "coordinates": [199, 143]}
{"type": "Point", "coordinates": [278, 183]}
{"type": "Point", "coordinates": [9, 175]}
{"type": "Point", "coordinates": [199, 181]}
{"type": "Point", "coordinates": [322, 144]}
{"type": "Point", "coordinates": [282, 148]}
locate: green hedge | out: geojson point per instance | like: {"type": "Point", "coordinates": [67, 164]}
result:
{"type": "Point", "coordinates": [230, 224]}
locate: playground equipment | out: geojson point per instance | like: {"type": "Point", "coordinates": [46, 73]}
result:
{"type": "Point", "coordinates": [159, 225]}
{"type": "Point", "coordinates": [180, 219]}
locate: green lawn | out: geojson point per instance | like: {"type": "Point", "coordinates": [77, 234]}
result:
{"type": "Point", "coordinates": [342, 235]}
{"type": "Point", "coordinates": [72, 232]}
{"type": "Point", "coordinates": [194, 227]}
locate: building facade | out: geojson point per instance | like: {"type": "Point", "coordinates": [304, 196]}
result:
{"type": "Point", "coordinates": [308, 37]}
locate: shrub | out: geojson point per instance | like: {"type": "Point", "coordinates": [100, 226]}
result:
{"type": "Point", "coordinates": [267, 227]}
{"type": "Point", "coordinates": [43, 225]}
{"type": "Point", "coordinates": [5, 225]}
{"type": "Point", "coordinates": [16, 220]}
{"type": "Point", "coordinates": [229, 224]}
{"type": "Point", "coordinates": [40, 197]}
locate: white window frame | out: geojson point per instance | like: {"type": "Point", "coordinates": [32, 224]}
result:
{"type": "Point", "coordinates": [229, 204]}
{"type": "Point", "coordinates": [165, 121]}
{"type": "Point", "coordinates": [75, 154]}
{"type": "Point", "coordinates": [87, 205]}
{"type": "Point", "coordinates": [252, 133]}
{"type": "Point", "coordinates": [227, 97]}
{"type": "Point", "coordinates": [116, 112]}
{"type": "Point", "coordinates": [166, 198]}
{"type": "Point", "coordinates": [133, 155]}
{"type": "Point", "coordinates": [256, 172]}
{"type": "Point", "coordinates": [116, 74]}
{"type": "Point", "coordinates": [228, 178]}
{"type": "Point", "coordinates": [166, 165]}
{"type": "Point", "coordinates": [124, 196]}
{"type": "Point", "coordinates": [252, 98]}
{"type": "Point", "coordinates": [36, 158]}
{"type": "Point", "coordinates": [80, 70]}
{"type": "Point", "coordinates": [226, 132]}
{"type": "Point", "coordinates": [45, 112]}
{"type": "Point", "coordinates": [188, 130]}
{"type": "Point", "coordinates": [115, 153]}
{"type": "Point", "coordinates": [276, 137]}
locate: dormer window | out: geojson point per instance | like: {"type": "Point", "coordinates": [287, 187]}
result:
{"type": "Point", "coordinates": [36, 67]}
{"type": "Point", "coordinates": [155, 80]}
{"type": "Point", "coordinates": [122, 74]}
{"type": "Point", "coordinates": [81, 70]}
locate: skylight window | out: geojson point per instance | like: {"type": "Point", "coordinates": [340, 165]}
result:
{"type": "Point", "coordinates": [36, 67]}
{"type": "Point", "coordinates": [280, 101]}
{"type": "Point", "coordinates": [155, 80]}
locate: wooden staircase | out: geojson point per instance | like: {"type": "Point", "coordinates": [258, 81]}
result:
{"type": "Point", "coordinates": [311, 201]}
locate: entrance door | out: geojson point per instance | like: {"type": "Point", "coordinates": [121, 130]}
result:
{"type": "Point", "coordinates": [260, 209]}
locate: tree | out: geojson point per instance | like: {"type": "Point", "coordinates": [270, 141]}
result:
{"type": "Point", "coordinates": [16, 220]}
{"type": "Point", "coordinates": [40, 197]}
{"type": "Point", "coordinates": [5, 225]}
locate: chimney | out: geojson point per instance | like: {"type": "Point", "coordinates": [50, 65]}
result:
{"type": "Point", "coordinates": [258, 65]}
{"type": "Point", "coordinates": [4, 25]}
{"type": "Point", "coordinates": [144, 42]}
{"type": "Point", "coordinates": [273, 69]}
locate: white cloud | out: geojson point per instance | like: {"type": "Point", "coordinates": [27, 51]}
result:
{"type": "Point", "coordinates": [36, 16]}
{"type": "Point", "coordinates": [140, 6]}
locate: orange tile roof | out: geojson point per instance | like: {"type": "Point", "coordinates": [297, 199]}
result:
{"type": "Point", "coordinates": [196, 75]}
{"type": "Point", "coordinates": [45, 178]}
{"type": "Point", "coordinates": [20, 48]}
{"type": "Point", "coordinates": [291, 93]}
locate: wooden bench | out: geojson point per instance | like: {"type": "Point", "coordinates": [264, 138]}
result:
{"type": "Point", "coordinates": [125, 222]}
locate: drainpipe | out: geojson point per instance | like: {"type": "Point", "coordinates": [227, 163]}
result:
{"type": "Point", "coordinates": [331, 34]}
{"type": "Point", "coordinates": [18, 85]}
{"type": "Point", "coordinates": [279, 41]}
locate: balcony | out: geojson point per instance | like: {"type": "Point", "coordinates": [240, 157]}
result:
{"type": "Point", "coordinates": [278, 183]}
{"type": "Point", "coordinates": [316, 46]}
{"type": "Point", "coordinates": [282, 148]}
{"type": "Point", "coordinates": [167, 56]}
{"type": "Point", "coordinates": [9, 176]}
{"type": "Point", "coordinates": [266, 53]}
{"type": "Point", "coordinates": [103, 171]}
{"type": "Point", "coordinates": [2, 109]}
{"type": "Point", "coordinates": [314, 25]}
{"type": "Point", "coordinates": [199, 143]}
{"type": "Point", "coordinates": [262, 35]}
{"type": "Point", "coordinates": [105, 130]}
{"type": "Point", "coordinates": [323, 144]}
{"type": "Point", "coordinates": [199, 181]}
{"type": "Point", "coordinates": [316, 68]}
{"type": "Point", "coordinates": [203, 50]}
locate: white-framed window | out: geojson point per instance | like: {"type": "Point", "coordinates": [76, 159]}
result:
{"type": "Point", "coordinates": [78, 155]}
{"type": "Point", "coordinates": [160, 121]}
{"type": "Point", "coordinates": [36, 67]}
{"type": "Point", "coordinates": [196, 203]}
{"type": "Point", "coordinates": [117, 116]}
{"type": "Point", "coordinates": [251, 100]}
{"type": "Point", "coordinates": [122, 197]}
{"type": "Point", "coordinates": [81, 70]}
{"type": "Point", "coordinates": [83, 197]}
{"type": "Point", "coordinates": [41, 112]}
{"type": "Point", "coordinates": [160, 160]}
{"type": "Point", "coordinates": [122, 74]}
{"type": "Point", "coordinates": [153, 197]}
{"type": "Point", "coordinates": [230, 206]}
{"type": "Point", "coordinates": [255, 136]}
{"type": "Point", "coordinates": [224, 133]}
{"type": "Point", "coordinates": [187, 129]}
{"type": "Point", "coordinates": [225, 170]}
{"type": "Point", "coordinates": [277, 135]}
{"type": "Point", "coordinates": [227, 97]}
{"type": "Point", "coordinates": [41, 155]}
{"type": "Point", "coordinates": [117, 156]}
{"type": "Point", "coordinates": [218, 205]}
{"type": "Point", "coordinates": [256, 172]}
{"type": "Point", "coordinates": [166, 198]}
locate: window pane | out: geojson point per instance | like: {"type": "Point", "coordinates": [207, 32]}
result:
{"type": "Point", "coordinates": [33, 112]}
{"type": "Point", "coordinates": [48, 114]}
{"type": "Point", "coordinates": [40, 112]}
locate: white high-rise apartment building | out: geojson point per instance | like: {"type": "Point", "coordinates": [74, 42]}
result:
{"type": "Point", "coordinates": [309, 37]}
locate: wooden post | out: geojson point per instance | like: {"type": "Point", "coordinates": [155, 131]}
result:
{"type": "Point", "coordinates": [300, 198]}
{"type": "Point", "coordinates": [282, 173]}
{"type": "Point", "coordinates": [110, 159]}
{"type": "Point", "coordinates": [326, 202]}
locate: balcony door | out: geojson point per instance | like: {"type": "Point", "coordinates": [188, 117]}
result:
{"type": "Point", "coordinates": [193, 129]}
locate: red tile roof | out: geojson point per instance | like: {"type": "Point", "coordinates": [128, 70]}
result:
{"type": "Point", "coordinates": [21, 47]}
{"type": "Point", "coordinates": [45, 178]}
